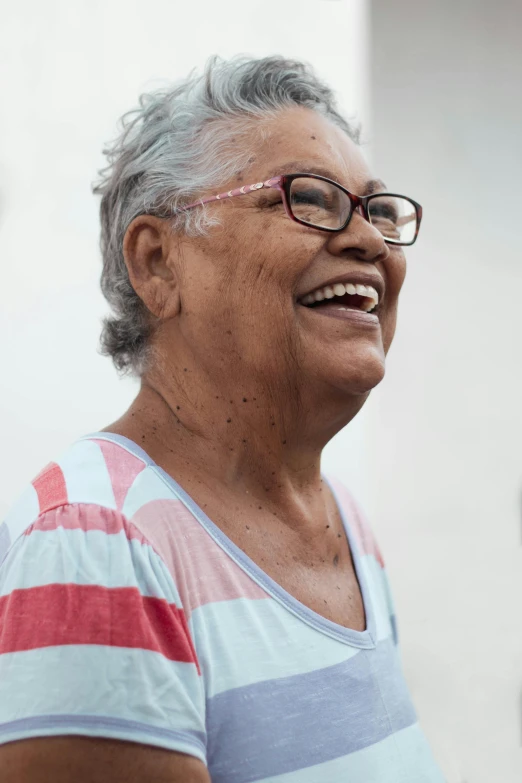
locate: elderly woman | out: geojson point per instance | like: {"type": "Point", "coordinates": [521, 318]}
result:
{"type": "Point", "coordinates": [185, 598]}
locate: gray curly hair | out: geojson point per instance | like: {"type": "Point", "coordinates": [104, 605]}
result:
{"type": "Point", "coordinates": [180, 142]}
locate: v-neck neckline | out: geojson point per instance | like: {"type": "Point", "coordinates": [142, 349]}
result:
{"type": "Point", "coordinates": [363, 639]}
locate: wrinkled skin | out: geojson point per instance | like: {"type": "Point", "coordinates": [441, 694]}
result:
{"type": "Point", "coordinates": [248, 386]}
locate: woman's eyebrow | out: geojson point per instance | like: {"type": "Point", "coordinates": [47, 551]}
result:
{"type": "Point", "coordinates": [299, 166]}
{"type": "Point", "coordinates": [374, 186]}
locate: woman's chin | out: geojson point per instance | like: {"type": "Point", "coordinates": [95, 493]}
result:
{"type": "Point", "coordinates": [362, 383]}
{"type": "Point", "coordinates": [359, 374]}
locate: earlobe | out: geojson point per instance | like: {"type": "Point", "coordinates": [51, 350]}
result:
{"type": "Point", "coordinates": [146, 250]}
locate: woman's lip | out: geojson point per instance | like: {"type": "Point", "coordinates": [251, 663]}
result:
{"type": "Point", "coordinates": [355, 316]}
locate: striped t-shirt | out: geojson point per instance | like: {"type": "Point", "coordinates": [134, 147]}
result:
{"type": "Point", "coordinates": [126, 613]}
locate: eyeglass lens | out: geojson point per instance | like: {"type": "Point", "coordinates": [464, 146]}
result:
{"type": "Point", "coordinates": [394, 217]}
{"type": "Point", "coordinates": [324, 205]}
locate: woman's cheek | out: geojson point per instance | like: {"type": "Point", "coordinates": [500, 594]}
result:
{"type": "Point", "coordinates": [389, 326]}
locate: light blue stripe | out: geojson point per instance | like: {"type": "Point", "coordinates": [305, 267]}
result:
{"type": "Point", "coordinates": [86, 475]}
{"type": "Point", "coordinates": [5, 541]}
{"type": "Point", "coordinates": [146, 487]}
{"type": "Point", "coordinates": [244, 641]}
{"type": "Point", "coordinates": [92, 557]}
{"type": "Point", "coordinates": [403, 757]}
{"type": "Point", "coordinates": [22, 513]}
{"type": "Point", "coordinates": [390, 604]}
{"type": "Point", "coordinates": [115, 683]}
{"type": "Point", "coordinates": [191, 742]}
{"type": "Point", "coordinates": [307, 719]}
{"type": "Point", "coordinates": [374, 576]}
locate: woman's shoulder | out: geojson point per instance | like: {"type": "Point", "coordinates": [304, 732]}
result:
{"type": "Point", "coordinates": [97, 474]}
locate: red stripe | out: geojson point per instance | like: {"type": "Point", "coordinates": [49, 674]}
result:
{"type": "Point", "coordinates": [59, 614]}
{"type": "Point", "coordinates": [83, 516]}
{"type": "Point", "coordinates": [123, 468]}
{"type": "Point", "coordinates": [178, 538]}
{"type": "Point", "coordinates": [50, 487]}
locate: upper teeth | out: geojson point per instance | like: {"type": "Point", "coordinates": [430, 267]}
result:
{"type": "Point", "coordinates": [340, 289]}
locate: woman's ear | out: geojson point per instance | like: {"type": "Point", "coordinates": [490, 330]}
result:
{"type": "Point", "coordinates": [147, 250]}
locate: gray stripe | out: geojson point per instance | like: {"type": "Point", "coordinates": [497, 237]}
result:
{"type": "Point", "coordinates": [72, 722]}
{"type": "Point", "coordinates": [286, 724]}
{"type": "Point", "coordinates": [395, 632]}
{"type": "Point", "coordinates": [5, 541]}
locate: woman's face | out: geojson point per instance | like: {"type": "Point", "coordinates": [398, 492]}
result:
{"type": "Point", "coordinates": [240, 286]}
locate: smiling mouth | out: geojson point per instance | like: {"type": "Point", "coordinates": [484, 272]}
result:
{"type": "Point", "coordinates": [363, 299]}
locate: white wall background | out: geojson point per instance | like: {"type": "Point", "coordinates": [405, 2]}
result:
{"type": "Point", "coordinates": [447, 446]}
{"type": "Point", "coordinates": [68, 70]}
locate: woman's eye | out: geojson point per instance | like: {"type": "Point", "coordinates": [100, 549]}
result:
{"type": "Point", "coordinates": [312, 197]}
{"type": "Point", "coordinates": [384, 212]}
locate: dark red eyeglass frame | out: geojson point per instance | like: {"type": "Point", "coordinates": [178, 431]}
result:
{"type": "Point", "coordinates": [283, 183]}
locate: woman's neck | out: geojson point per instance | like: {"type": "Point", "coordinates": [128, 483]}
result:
{"type": "Point", "coordinates": [247, 450]}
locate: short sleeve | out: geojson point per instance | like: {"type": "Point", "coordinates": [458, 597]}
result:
{"type": "Point", "coordinates": [93, 636]}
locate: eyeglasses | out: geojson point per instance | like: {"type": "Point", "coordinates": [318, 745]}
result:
{"type": "Point", "coordinates": [319, 202]}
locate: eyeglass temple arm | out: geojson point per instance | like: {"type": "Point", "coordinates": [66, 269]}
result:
{"type": "Point", "coordinates": [275, 182]}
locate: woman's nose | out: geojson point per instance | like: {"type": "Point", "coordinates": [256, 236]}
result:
{"type": "Point", "coordinates": [365, 239]}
